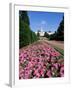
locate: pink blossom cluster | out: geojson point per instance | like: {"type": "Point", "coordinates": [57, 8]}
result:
{"type": "Point", "coordinates": [40, 61]}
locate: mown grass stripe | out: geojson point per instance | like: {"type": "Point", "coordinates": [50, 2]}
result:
{"type": "Point", "coordinates": [61, 51]}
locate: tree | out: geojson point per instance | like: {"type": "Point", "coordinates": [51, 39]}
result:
{"type": "Point", "coordinates": [46, 35]}
{"type": "Point", "coordinates": [24, 17]}
{"type": "Point", "coordinates": [24, 29]}
{"type": "Point", "coordinates": [38, 34]}
{"type": "Point", "coordinates": [26, 36]}
{"type": "Point", "coordinates": [60, 31]}
{"type": "Point", "coordinates": [33, 37]}
{"type": "Point", "coordinates": [59, 34]}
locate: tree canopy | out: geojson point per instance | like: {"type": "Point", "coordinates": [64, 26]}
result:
{"type": "Point", "coordinates": [59, 34]}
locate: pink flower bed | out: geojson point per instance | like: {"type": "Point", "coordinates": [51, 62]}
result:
{"type": "Point", "coordinates": [40, 61]}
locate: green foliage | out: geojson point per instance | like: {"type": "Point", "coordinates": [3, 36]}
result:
{"type": "Point", "coordinates": [33, 37]}
{"type": "Point", "coordinates": [24, 17]}
{"type": "Point", "coordinates": [60, 31]}
{"type": "Point", "coordinates": [53, 36]}
{"type": "Point", "coordinates": [38, 34]}
{"type": "Point", "coordinates": [26, 36]}
{"type": "Point", "coordinates": [46, 35]}
{"type": "Point", "coordinates": [61, 51]}
{"type": "Point", "coordinates": [59, 34]}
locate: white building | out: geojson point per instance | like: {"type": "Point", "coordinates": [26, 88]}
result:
{"type": "Point", "coordinates": [41, 32]}
{"type": "Point", "coordinates": [50, 33]}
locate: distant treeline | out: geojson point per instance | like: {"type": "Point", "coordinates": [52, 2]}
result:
{"type": "Point", "coordinates": [26, 35]}
{"type": "Point", "coordinates": [59, 34]}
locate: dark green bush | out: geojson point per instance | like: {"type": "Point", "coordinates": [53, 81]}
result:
{"type": "Point", "coordinates": [26, 36]}
{"type": "Point", "coordinates": [46, 35]}
{"type": "Point", "coordinates": [59, 34]}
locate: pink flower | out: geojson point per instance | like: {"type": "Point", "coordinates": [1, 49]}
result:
{"type": "Point", "coordinates": [52, 68]}
{"type": "Point", "coordinates": [55, 65]}
{"type": "Point", "coordinates": [49, 73]}
{"type": "Point", "coordinates": [30, 64]}
{"type": "Point", "coordinates": [42, 72]}
{"type": "Point", "coordinates": [38, 75]}
{"type": "Point", "coordinates": [62, 71]}
{"type": "Point", "coordinates": [55, 54]}
{"type": "Point", "coordinates": [39, 60]}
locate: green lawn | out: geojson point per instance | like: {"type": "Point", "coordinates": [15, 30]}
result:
{"type": "Point", "coordinates": [59, 50]}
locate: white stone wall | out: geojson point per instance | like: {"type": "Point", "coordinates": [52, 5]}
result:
{"type": "Point", "coordinates": [42, 33]}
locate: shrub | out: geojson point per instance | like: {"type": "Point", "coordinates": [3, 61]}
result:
{"type": "Point", "coordinates": [26, 36]}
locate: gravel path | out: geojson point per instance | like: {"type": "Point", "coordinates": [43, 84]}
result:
{"type": "Point", "coordinates": [56, 43]}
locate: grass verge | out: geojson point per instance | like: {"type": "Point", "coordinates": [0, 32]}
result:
{"type": "Point", "coordinates": [61, 51]}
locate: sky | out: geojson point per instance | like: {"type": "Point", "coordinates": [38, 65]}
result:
{"type": "Point", "coordinates": [48, 21]}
